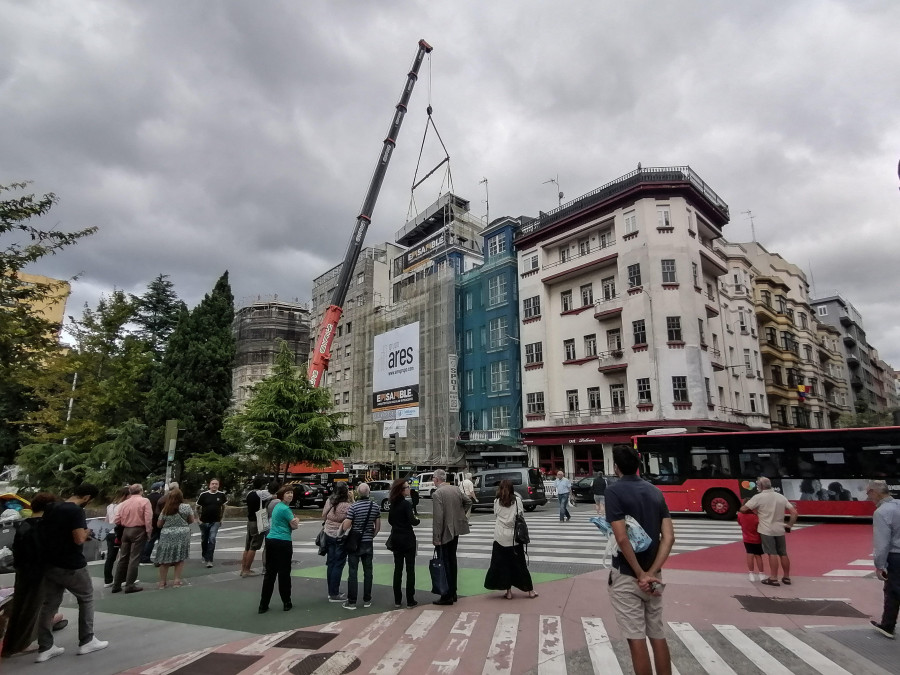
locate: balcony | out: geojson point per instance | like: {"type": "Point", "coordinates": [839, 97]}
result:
{"type": "Point", "coordinates": [492, 435]}
{"type": "Point", "coordinates": [576, 266]}
{"type": "Point", "coordinates": [611, 361]}
{"type": "Point", "coordinates": [589, 416]}
{"type": "Point", "coordinates": [715, 359]}
{"type": "Point", "coordinates": [853, 360]}
{"type": "Point", "coordinates": [608, 308]}
{"type": "Point", "coordinates": [710, 262]}
{"type": "Point", "coordinates": [849, 340]}
{"type": "Point", "coordinates": [857, 383]}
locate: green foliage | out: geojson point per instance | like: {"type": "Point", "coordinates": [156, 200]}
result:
{"type": "Point", "coordinates": [158, 313]}
{"type": "Point", "coordinates": [231, 470]}
{"type": "Point", "coordinates": [26, 337]}
{"type": "Point", "coordinates": [120, 460]}
{"type": "Point", "coordinates": [288, 420]}
{"type": "Point", "coordinates": [50, 466]}
{"type": "Point", "coordinates": [865, 418]}
{"type": "Point", "coordinates": [193, 384]}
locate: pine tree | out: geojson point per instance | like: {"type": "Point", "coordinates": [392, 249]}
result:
{"type": "Point", "coordinates": [288, 420]}
{"type": "Point", "coordinates": [193, 384]}
{"type": "Point", "coordinates": [158, 312]}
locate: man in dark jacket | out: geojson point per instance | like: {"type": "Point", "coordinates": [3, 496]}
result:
{"type": "Point", "coordinates": [598, 489]}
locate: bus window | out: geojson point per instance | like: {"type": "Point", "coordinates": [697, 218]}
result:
{"type": "Point", "coordinates": [822, 463]}
{"type": "Point", "coordinates": [762, 463]}
{"type": "Point", "coordinates": [878, 461]}
{"type": "Point", "coordinates": [710, 463]}
{"type": "Point", "coordinates": [662, 467]}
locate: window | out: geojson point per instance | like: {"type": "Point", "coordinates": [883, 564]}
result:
{"type": "Point", "coordinates": [663, 217]}
{"type": "Point", "coordinates": [679, 389]}
{"type": "Point", "coordinates": [566, 300]}
{"type": "Point", "coordinates": [790, 315]}
{"type": "Point", "coordinates": [709, 400]}
{"type": "Point", "coordinates": [569, 349]}
{"type": "Point", "coordinates": [468, 302]}
{"type": "Point", "coordinates": [590, 345]}
{"type": "Point", "coordinates": [634, 275]}
{"type": "Point", "coordinates": [531, 263]}
{"type": "Point", "coordinates": [753, 403]}
{"type": "Point", "coordinates": [584, 246]}
{"type": "Point", "coordinates": [776, 375]}
{"type": "Point", "coordinates": [531, 307]}
{"type": "Point", "coordinates": [563, 253]}
{"type": "Point", "coordinates": [803, 321]}
{"type": "Point", "coordinates": [782, 415]}
{"type": "Point", "coordinates": [643, 390]}
{"type": "Point", "coordinates": [499, 332]}
{"type": "Point", "coordinates": [807, 349]}
{"type": "Point", "coordinates": [639, 329]}
{"type": "Point", "coordinates": [793, 377]}
{"type": "Point", "coordinates": [469, 343]}
{"type": "Point", "coordinates": [500, 376]}
{"type": "Point", "coordinates": [346, 397]}
{"type": "Point", "coordinates": [535, 403]}
{"type": "Point", "coordinates": [349, 327]}
{"type": "Point", "coordinates": [702, 334]}
{"type": "Point", "coordinates": [609, 288]}
{"type": "Point", "coordinates": [500, 417]}
{"type": "Point", "coordinates": [748, 365]}
{"type": "Point", "coordinates": [497, 290]}
{"type": "Point", "coordinates": [471, 420]}
{"type": "Point", "coordinates": [822, 310]}
{"type": "Point", "coordinates": [360, 278]}
{"type": "Point", "coordinates": [781, 304]}
{"type": "Point", "coordinates": [630, 222]}
{"type": "Point", "coordinates": [572, 400]}
{"type": "Point", "coordinates": [347, 351]}
{"type": "Point", "coordinates": [766, 298]}
{"type": "Point", "coordinates": [771, 335]}
{"type": "Point", "coordinates": [346, 373]}
{"type": "Point", "coordinates": [496, 245]}
{"type": "Point", "coordinates": [470, 380]}
{"type": "Point", "coordinates": [337, 399]}
{"type": "Point", "coordinates": [617, 397]}
{"type": "Point", "coordinates": [594, 399]}
{"type": "Point", "coordinates": [483, 333]}
{"type": "Point", "coordinates": [534, 353]}
{"type": "Point", "coordinates": [614, 339]}
{"type": "Point", "coordinates": [813, 385]}
{"type": "Point", "coordinates": [668, 272]}
{"type": "Point", "coordinates": [695, 273]}
{"type": "Point", "coordinates": [606, 238]}
{"type": "Point", "coordinates": [673, 326]}
{"type": "Point", "coordinates": [340, 331]}
{"type": "Point", "coordinates": [587, 295]}
{"type": "Point", "coordinates": [742, 321]}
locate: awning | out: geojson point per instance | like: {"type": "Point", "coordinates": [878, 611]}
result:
{"type": "Point", "coordinates": [510, 453]}
{"type": "Point", "coordinates": [305, 467]}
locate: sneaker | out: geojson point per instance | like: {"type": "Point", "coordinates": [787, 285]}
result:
{"type": "Point", "coordinates": [881, 629]}
{"type": "Point", "coordinates": [209, 564]}
{"type": "Point", "coordinates": [94, 645]}
{"type": "Point", "coordinates": [337, 598]}
{"type": "Point", "coordinates": [752, 576]}
{"type": "Point", "coordinates": [109, 585]}
{"type": "Point", "coordinates": [367, 603]}
{"type": "Point", "coordinates": [412, 604]}
{"type": "Point", "coordinates": [146, 562]}
{"type": "Point", "coordinates": [49, 654]}
{"type": "Point", "coordinates": [348, 605]}
{"type": "Point", "coordinates": [396, 606]}
{"type": "Point", "coordinates": [133, 589]}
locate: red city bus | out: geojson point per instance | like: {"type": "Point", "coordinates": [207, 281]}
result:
{"type": "Point", "coordinates": [823, 472]}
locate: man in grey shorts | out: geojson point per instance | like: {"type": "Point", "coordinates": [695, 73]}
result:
{"type": "Point", "coordinates": [770, 507]}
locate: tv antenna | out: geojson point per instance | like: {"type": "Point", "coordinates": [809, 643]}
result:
{"type": "Point", "coordinates": [752, 227]}
{"type": "Point", "coordinates": [555, 181]}
{"type": "Point", "coordinates": [487, 202]}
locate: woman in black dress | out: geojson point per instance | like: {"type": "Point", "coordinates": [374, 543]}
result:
{"type": "Point", "coordinates": [508, 565]}
{"type": "Point", "coordinates": [403, 542]}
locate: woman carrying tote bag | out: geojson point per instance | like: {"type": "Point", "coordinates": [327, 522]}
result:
{"type": "Point", "coordinates": [508, 565]}
{"type": "Point", "coordinates": [402, 542]}
{"type": "Point", "coordinates": [333, 514]}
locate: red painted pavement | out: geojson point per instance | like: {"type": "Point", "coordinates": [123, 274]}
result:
{"type": "Point", "coordinates": [813, 551]}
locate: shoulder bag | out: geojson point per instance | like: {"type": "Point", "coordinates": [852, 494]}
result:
{"type": "Point", "coordinates": [320, 538]}
{"type": "Point", "coordinates": [262, 517]}
{"type": "Point", "coordinates": [353, 538]}
{"type": "Point", "coordinates": [520, 535]}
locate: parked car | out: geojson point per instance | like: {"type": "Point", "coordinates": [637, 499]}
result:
{"type": "Point", "coordinates": [379, 490]}
{"type": "Point", "coordinates": [307, 495]}
{"type": "Point", "coordinates": [526, 482]}
{"type": "Point", "coordinates": [426, 482]}
{"type": "Point", "coordinates": [583, 488]}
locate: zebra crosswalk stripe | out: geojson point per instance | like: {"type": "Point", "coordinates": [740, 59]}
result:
{"type": "Point", "coordinates": [757, 655]}
{"type": "Point", "coordinates": [603, 658]}
{"type": "Point", "coordinates": [455, 645]}
{"type": "Point", "coordinates": [503, 646]}
{"type": "Point", "coordinates": [551, 651]}
{"type": "Point", "coordinates": [813, 657]}
{"type": "Point", "coordinates": [706, 656]}
{"type": "Point", "coordinates": [401, 652]}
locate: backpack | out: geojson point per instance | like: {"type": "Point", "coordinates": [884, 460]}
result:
{"type": "Point", "coordinates": [27, 549]}
{"type": "Point", "coordinates": [637, 536]}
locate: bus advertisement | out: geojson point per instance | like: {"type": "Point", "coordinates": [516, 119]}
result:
{"type": "Point", "coordinates": [823, 472]}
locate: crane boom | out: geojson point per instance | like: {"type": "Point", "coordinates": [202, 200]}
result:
{"type": "Point", "coordinates": [322, 348]}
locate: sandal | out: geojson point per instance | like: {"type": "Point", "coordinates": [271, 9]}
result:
{"type": "Point", "coordinates": [508, 595]}
{"type": "Point", "coordinates": [161, 585]}
{"type": "Point", "coordinates": [786, 581]}
{"type": "Point", "coordinates": [533, 595]}
{"type": "Point", "coordinates": [179, 584]}
{"type": "Point", "coordinates": [770, 582]}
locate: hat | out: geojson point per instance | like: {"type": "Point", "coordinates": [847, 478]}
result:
{"type": "Point", "coordinates": [158, 485]}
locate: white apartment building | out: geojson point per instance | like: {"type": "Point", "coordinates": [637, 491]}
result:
{"type": "Point", "coordinates": [623, 326]}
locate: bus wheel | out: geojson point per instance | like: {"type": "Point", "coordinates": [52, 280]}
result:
{"type": "Point", "coordinates": [720, 504]}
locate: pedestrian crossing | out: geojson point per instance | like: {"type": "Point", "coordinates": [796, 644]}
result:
{"type": "Point", "coordinates": [436, 642]}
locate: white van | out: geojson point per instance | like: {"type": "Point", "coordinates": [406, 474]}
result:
{"type": "Point", "coordinates": [426, 482]}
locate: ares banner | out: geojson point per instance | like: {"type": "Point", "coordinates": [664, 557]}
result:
{"type": "Point", "coordinates": [395, 378]}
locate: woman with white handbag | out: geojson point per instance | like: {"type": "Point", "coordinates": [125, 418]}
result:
{"type": "Point", "coordinates": [333, 514]}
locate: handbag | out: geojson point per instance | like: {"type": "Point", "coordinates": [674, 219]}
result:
{"type": "Point", "coordinates": [389, 544]}
{"type": "Point", "coordinates": [353, 538]}
{"type": "Point", "coordinates": [439, 584]}
{"type": "Point", "coordinates": [262, 518]}
{"type": "Point", "coordinates": [320, 538]}
{"type": "Point", "coordinates": [520, 535]}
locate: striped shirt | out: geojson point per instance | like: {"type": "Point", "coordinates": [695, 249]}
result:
{"type": "Point", "coordinates": [361, 511]}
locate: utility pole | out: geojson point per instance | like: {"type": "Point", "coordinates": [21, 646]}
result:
{"type": "Point", "coordinates": [487, 202]}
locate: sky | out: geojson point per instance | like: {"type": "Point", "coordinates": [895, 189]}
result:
{"type": "Point", "coordinates": [205, 136]}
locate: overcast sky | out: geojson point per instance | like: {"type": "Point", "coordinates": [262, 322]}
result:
{"type": "Point", "coordinates": [204, 136]}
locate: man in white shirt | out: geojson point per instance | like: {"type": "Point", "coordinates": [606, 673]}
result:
{"type": "Point", "coordinates": [468, 489]}
{"type": "Point", "coordinates": [770, 507]}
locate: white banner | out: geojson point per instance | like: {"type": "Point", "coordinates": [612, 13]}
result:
{"type": "Point", "coordinates": [453, 359]}
{"type": "Point", "coordinates": [394, 427]}
{"type": "Point", "coordinates": [395, 378]}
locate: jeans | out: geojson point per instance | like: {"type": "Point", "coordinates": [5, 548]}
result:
{"type": "Point", "coordinates": [148, 547]}
{"type": "Point", "coordinates": [133, 540]}
{"type": "Point", "coordinates": [563, 506]}
{"type": "Point", "coordinates": [365, 553]}
{"type": "Point", "coordinates": [334, 563]}
{"type": "Point", "coordinates": [278, 564]}
{"type": "Point", "coordinates": [112, 552]}
{"type": "Point", "coordinates": [408, 557]}
{"type": "Point", "coordinates": [447, 552]}
{"type": "Point", "coordinates": [208, 532]}
{"type": "Point", "coordinates": [78, 583]}
{"type": "Point", "coordinates": [891, 592]}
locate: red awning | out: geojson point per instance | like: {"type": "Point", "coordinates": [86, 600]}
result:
{"type": "Point", "coordinates": [306, 467]}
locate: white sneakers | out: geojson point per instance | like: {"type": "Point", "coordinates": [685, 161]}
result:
{"type": "Point", "coordinates": [752, 576]}
{"type": "Point", "coordinates": [49, 654]}
{"type": "Point", "coordinates": [94, 645]}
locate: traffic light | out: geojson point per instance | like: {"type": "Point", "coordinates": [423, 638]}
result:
{"type": "Point", "coordinates": [392, 443]}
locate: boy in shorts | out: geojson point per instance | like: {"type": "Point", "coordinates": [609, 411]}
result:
{"type": "Point", "coordinates": [749, 523]}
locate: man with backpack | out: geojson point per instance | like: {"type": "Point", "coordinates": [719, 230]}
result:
{"type": "Point", "coordinates": [256, 500]}
{"type": "Point", "coordinates": [635, 580]}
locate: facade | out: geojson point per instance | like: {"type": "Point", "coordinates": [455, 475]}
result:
{"type": "Point", "coordinates": [867, 382]}
{"type": "Point", "coordinates": [258, 328]}
{"type": "Point", "coordinates": [800, 361]}
{"type": "Point", "coordinates": [487, 315]}
{"type": "Point", "coordinates": [395, 285]}
{"type": "Point", "coordinates": [53, 309]}
{"type": "Point", "coordinates": [622, 321]}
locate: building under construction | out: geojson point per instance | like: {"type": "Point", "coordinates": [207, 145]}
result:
{"type": "Point", "coordinates": [259, 327]}
{"type": "Point", "coordinates": [394, 285]}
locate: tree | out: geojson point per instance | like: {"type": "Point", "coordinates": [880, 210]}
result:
{"type": "Point", "coordinates": [193, 383]}
{"type": "Point", "coordinates": [288, 420]}
{"type": "Point", "coordinates": [158, 313]}
{"type": "Point", "coordinates": [26, 337]}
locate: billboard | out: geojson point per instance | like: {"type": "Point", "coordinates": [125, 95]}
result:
{"type": "Point", "coordinates": [395, 377]}
{"type": "Point", "coordinates": [424, 252]}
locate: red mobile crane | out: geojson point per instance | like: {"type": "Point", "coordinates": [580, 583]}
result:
{"type": "Point", "coordinates": [322, 350]}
